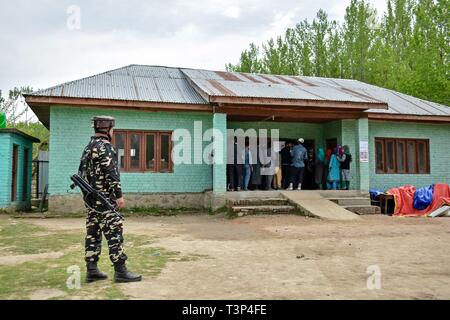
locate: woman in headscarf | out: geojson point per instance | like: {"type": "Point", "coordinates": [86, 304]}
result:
{"type": "Point", "coordinates": [333, 171]}
{"type": "Point", "coordinates": [318, 168]}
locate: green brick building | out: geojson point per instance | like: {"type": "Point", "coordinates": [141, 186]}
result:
{"type": "Point", "coordinates": [395, 139]}
{"type": "Point", "coordinates": [16, 150]}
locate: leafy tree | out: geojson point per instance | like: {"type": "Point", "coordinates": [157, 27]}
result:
{"type": "Point", "coordinates": [10, 106]}
{"type": "Point", "coordinates": [320, 29]}
{"type": "Point", "coordinates": [35, 129]}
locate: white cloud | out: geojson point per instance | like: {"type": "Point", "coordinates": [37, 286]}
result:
{"type": "Point", "coordinates": [232, 12]}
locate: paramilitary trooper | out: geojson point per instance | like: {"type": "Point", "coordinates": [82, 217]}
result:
{"type": "Point", "coordinates": [99, 167]}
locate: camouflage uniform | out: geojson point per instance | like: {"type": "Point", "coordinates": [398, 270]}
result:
{"type": "Point", "coordinates": [99, 167]}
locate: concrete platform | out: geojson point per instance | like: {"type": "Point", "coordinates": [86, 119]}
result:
{"type": "Point", "coordinates": [315, 204]}
{"type": "Point", "coordinates": [324, 204]}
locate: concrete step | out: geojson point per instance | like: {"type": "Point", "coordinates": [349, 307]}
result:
{"type": "Point", "coordinates": [351, 201]}
{"type": "Point", "coordinates": [267, 209]}
{"type": "Point", "coordinates": [259, 202]}
{"type": "Point", "coordinates": [363, 209]}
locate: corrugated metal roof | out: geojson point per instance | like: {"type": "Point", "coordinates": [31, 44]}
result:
{"type": "Point", "coordinates": [134, 83]}
{"type": "Point", "coordinates": [271, 86]}
{"type": "Point", "coordinates": [171, 85]}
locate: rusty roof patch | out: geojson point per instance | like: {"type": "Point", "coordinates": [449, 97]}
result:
{"type": "Point", "coordinates": [303, 81]}
{"type": "Point", "coordinates": [249, 77]}
{"type": "Point", "coordinates": [287, 80]}
{"type": "Point", "coordinates": [362, 95]}
{"type": "Point", "coordinates": [222, 89]}
{"type": "Point", "coordinates": [227, 76]}
{"type": "Point", "coordinates": [269, 79]}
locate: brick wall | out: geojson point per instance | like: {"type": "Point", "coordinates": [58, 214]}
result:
{"type": "Point", "coordinates": [70, 132]}
{"type": "Point", "coordinates": [6, 147]}
{"type": "Point", "coordinates": [220, 150]}
{"type": "Point", "coordinates": [439, 135]}
{"type": "Point", "coordinates": [5, 170]}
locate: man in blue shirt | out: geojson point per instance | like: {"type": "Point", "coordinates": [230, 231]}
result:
{"type": "Point", "coordinates": [299, 156]}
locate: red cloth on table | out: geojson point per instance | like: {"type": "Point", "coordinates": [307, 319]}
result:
{"type": "Point", "coordinates": [404, 199]}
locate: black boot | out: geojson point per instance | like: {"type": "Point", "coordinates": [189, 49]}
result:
{"type": "Point", "coordinates": [123, 275]}
{"type": "Point", "coordinates": [93, 274]}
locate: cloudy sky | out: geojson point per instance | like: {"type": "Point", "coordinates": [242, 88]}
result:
{"type": "Point", "coordinates": [47, 42]}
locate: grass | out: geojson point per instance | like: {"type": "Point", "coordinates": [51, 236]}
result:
{"type": "Point", "coordinates": [19, 281]}
{"type": "Point", "coordinates": [22, 238]}
{"type": "Point", "coordinates": [127, 212]}
{"type": "Point", "coordinates": [155, 211]}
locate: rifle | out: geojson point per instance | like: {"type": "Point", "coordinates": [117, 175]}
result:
{"type": "Point", "coordinates": [89, 192]}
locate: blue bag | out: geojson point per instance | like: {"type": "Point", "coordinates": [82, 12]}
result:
{"type": "Point", "coordinates": [375, 194]}
{"type": "Point", "coordinates": [423, 197]}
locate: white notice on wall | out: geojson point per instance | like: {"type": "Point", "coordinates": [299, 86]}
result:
{"type": "Point", "coordinates": [364, 151]}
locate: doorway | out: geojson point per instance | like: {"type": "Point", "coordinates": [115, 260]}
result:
{"type": "Point", "coordinates": [15, 157]}
{"type": "Point", "coordinates": [309, 173]}
{"type": "Point", "coordinates": [331, 144]}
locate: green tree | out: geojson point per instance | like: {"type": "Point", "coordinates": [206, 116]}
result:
{"type": "Point", "coordinates": [301, 41]}
{"type": "Point", "coordinates": [320, 29]}
{"type": "Point", "coordinates": [335, 59]}
{"type": "Point", "coordinates": [249, 61]}
{"type": "Point", "coordinates": [14, 107]}
{"type": "Point", "coordinates": [359, 31]}
{"type": "Point", "coordinates": [35, 129]}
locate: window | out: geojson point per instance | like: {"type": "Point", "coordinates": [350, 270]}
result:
{"type": "Point", "coordinates": [402, 155]}
{"type": "Point", "coordinates": [140, 151]}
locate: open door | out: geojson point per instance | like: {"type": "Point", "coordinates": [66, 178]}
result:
{"type": "Point", "coordinates": [331, 144]}
{"type": "Point", "coordinates": [15, 157]}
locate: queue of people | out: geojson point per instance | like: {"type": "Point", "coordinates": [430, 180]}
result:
{"type": "Point", "coordinates": [331, 169]}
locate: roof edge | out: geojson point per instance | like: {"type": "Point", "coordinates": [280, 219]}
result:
{"type": "Point", "coordinates": [408, 117]}
{"type": "Point", "coordinates": [98, 102]}
{"type": "Point", "coordinates": [20, 133]}
{"type": "Point", "coordinates": [299, 102]}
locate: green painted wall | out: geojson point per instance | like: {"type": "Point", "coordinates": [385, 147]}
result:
{"type": "Point", "coordinates": [70, 132]}
{"type": "Point", "coordinates": [362, 168]}
{"type": "Point", "coordinates": [7, 140]}
{"type": "Point", "coordinates": [348, 137]}
{"type": "Point", "coordinates": [331, 130]}
{"type": "Point", "coordinates": [220, 153]}
{"type": "Point", "coordinates": [5, 170]}
{"type": "Point", "coordinates": [439, 135]}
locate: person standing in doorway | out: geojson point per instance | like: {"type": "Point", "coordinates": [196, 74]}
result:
{"type": "Point", "coordinates": [247, 161]}
{"type": "Point", "coordinates": [319, 168]}
{"type": "Point", "coordinates": [333, 171]}
{"type": "Point", "coordinates": [299, 156]}
{"type": "Point", "coordinates": [286, 162]}
{"type": "Point", "coordinates": [345, 158]}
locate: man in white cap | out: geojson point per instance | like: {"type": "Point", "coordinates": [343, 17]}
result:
{"type": "Point", "coordinates": [299, 155]}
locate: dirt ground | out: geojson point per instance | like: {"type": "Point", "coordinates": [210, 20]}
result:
{"type": "Point", "coordinates": [290, 257]}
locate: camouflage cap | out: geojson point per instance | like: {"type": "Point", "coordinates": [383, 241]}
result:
{"type": "Point", "coordinates": [103, 122]}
